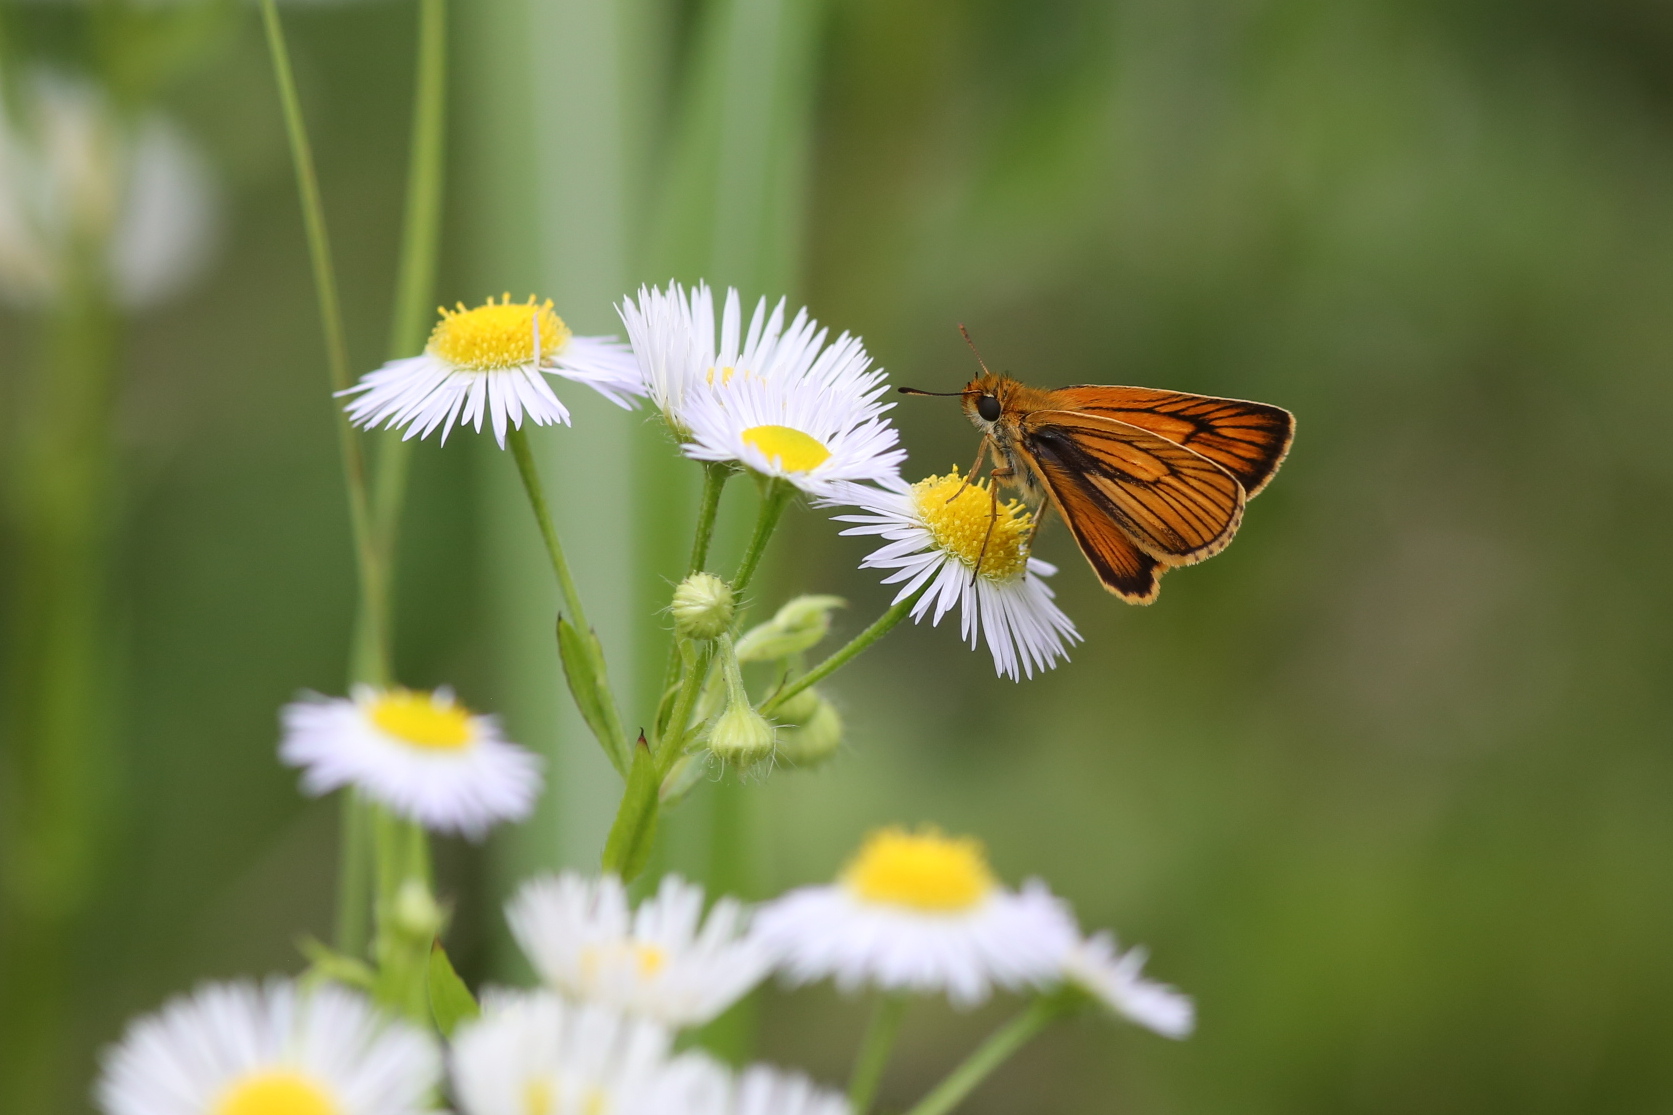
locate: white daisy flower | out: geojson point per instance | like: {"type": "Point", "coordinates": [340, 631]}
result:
{"type": "Point", "coordinates": [532, 1053]}
{"type": "Point", "coordinates": [919, 912]}
{"type": "Point", "coordinates": [239, 1049]}
{"type": "Point", "coordinates": [760, 1090]}
{"type": "Point", "coordinates": [663, 960]}
{"type": "Point", "coordinates": [1097, 967]}
{"type": "Point", "coordinates": [492, 361]}
{"type": "Point", "coordinates": [935, 531]}
{"type": "Point", "coordinates": [424, 756]}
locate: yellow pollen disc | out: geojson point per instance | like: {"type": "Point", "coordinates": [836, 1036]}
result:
{"type": "Point", "coordinates": [276, 1093]}
{"type": "Point", "coordinates": [647, 960]}
{"type": "Point", "coordinates": [537, 1097]}
{"type": "Point", "coordinates": [422, 721]}
{"type": "Point", "coordinates": [959, 526]}
{"type": "Point", "coordinates": [725, 375]}
{"type": "Point", "coordinates": [790, 449]}
{"type": "Point", "coordinates": [921, 871]}
{"type": "Point", "coordinates": [497, 335]}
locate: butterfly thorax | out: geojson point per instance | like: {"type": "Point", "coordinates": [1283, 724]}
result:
{"type": "Point", "coordinates": [996, 405]}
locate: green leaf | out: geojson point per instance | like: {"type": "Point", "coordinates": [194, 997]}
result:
{"type": "Point", "coordinates": [583, 668]}
{"type": "Point", "coordinates": [634, 832]}
{"type": "Point", "coordinates": [451, 1001]}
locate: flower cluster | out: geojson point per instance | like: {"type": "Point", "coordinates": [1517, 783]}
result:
{"type": "Point", "coordinates": [913, 912]}
{"type": "Point", "coordinates": [779, 399]}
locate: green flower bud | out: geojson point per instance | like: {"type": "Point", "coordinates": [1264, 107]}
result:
{"type": "Point", "coordinates": [702, 607]}
{"type": "Point", "coordinates": [818, 737]}
{"type": "Point", "coordinates": [797, 626]}
{"type": "Point", "coordinates": [742, 737]}
{"type": "Point", "coordinates": [799, 709]}
{"type": "Point", "coordinates": [416, 912]}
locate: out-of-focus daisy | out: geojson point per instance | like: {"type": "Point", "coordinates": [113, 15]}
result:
{"type": "Point", "coordinates": [76, 170]}
{"type": "Point", "coordinates": [663, 960]}
{"type": "Point", "coordinates": [935, 531]}
{"type": "Point", "coordinates": [1114, 978]}
{"type": "Point", "coordinates": [763, 1090]}
{"type": "Point", "coordinates": [239, 1049]}
{"type": "Point", "coordinates": [920, 912]}
{"type": "Point", "coordinates": [532, 1053]}
{"type": "Point", "coordinates": [423, 755]}
{"type": "Point", "coordinates": [491, 361]}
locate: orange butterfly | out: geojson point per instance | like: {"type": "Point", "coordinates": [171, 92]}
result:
{"type": "Point", "coordinates": [1146, 479]}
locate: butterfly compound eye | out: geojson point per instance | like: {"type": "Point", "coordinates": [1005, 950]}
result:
{"type": "Point", "coordinates": [988, 407]}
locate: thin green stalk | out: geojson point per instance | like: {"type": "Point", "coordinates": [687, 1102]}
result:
{"type": "Point", "coordinates": [842, 657]}
{"type": "Point", "coordinates": [992, 1053]}
{"type": "Point", "coordinates": [518, 439]}
{"type": "Point", "coordinates": [715, 476]}
{"type": "Point", "coordinates": [371, 661]}
{"type": "Point", "coordinates": [354, 876]}
{"type": "Point", "coordinates": [875, 1048]}
{"type": "Point", "coordinates": [774, 499]}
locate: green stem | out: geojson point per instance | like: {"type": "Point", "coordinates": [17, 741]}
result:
{"type": "Point", "coordinates": [518, 439]}
{"type": "Point", "coordinates": [715, 476]}
{"type": "Point", "coordinates": [875, 1048]}
{"type": "Point", "coordinates": [672, 742]}
{"type": "Point", "coordinates": [354, 875]}
{"type": "Point", "coordinates": [371, 659]}
{"type": "Point", "coordinates": [774, 499]}
{"type": "Point", "coordinates": [999, 1047]}
{"type": "Point", "coordinates": [842, 657]}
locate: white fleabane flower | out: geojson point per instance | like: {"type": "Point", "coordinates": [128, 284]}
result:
{"type": "Point", "coordinates": [761, 1090]}
{"type": "Point", "coordinates": [491, 361]}
{"type": "Point", "coordinates": [936, 530]}
{"type": "Point", "coordinates": [663, 960]}
{"type": "Point", "coordinates": [1114, 978]}
{"type": "Point", "coordinates": [805, 427]}
{"type": "Point", "coordinates": [919, 912]}
{"type": "Point", "coordinates": [239, 1049]}
{"type": "Point", "coordinates": [76, 170]}
{"type": "Point", "coordinates": [532, 1053]}
{"type": "Point", "coordinates": [423, 755]}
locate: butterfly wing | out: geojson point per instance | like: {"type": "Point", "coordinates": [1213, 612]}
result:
{"type": "Point", "coordinates": [1123, 568]}
{"type": "Point", "coordinates": [1172, 503]}
{"type": "Point", "coordinates": [1248, 440]}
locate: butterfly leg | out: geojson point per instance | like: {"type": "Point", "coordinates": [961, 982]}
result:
{"type": "Point", "coordinates": [970, 477]}
{"type": "Point", "coordinates": [998, 476]}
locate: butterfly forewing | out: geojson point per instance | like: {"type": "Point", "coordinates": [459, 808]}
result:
{"type": "Point", "coordinates": [1246, 439]}
{"type": "Point", "coordinates": [1172, 503]}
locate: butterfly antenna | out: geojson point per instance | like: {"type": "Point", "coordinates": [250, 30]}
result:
{"type": "Point", "coordinates": [973, 348]}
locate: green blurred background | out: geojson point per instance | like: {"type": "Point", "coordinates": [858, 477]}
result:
{"type": "Point", "coordinates": [1386, 787]}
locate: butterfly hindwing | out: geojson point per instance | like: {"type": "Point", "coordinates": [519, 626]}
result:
{"type": "Point", "coordinates": [1171, 502]}
{"type": "Point", "coordinates": [1248, 440]}
{"type": "Point", "coordinates": [1123, 568]}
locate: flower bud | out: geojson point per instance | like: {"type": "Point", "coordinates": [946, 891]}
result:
{"type": "Point", "coordinates": [416, 912]}
{"type": "Point", "coordinates": [798, 710]}
{"type": "Point", "coordinates": [797, 626]}
{"type": "Point", "coordinates": [702, 607]}
{"type": "Point", "coordinates": [742, 737]}
{"type": "Point", "coordinates": [818, 737]}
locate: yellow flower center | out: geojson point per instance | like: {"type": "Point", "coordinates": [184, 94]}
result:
{"type": "Point", "coordinates": [921, 871]}
{"type": "Point", "coordinates": [497, 335]}
{"type": "Point", "coordinates": [646, 959]}
{"type": "Point", "coordinates": [540, 1097]}
{"type": "Point", "coordinates": [423, 720]}
{"type": "Point", "coordinates": [725, 375]}
{"type": "Point", "coordinates": [790, 449]}
{"type": "Point", "coordinates": [959, 524]}
{"type": "Point", "coordinates": [276, 1093]}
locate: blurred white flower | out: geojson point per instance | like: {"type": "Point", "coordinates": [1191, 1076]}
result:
{"type": "Point", "coordinates": [951, 538]}
{"type": "Point", "coordinates": [424, 756]}
{"type": "Point", "coordinates": [239, 1049]}
{"type": "Point", "coordinates": [491, 361]}
{"type": "Point", "coordinates": [920, 912]}
{"type": "Point", "coordinates": [761, 1090]}
{"type": "Point", "coordinates": [532, 1052]}
{"type": "Point", "coordinates": [663, 960]}
{"type": "Point", "coordinates": [1113, 977]}
{"type": "Point", "coordinates": [75, 175]}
